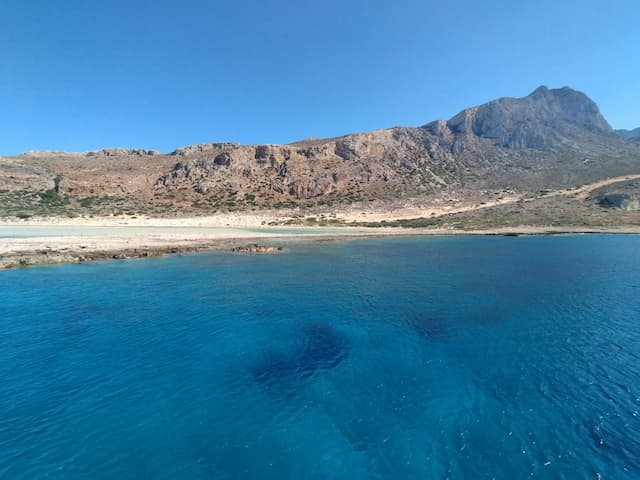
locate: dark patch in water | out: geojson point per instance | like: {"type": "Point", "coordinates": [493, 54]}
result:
{"type": "Point", "coordinates": [274, 365]}
{"type": "Point", "coordinates": [324, 349]}
{"type": "Point", "coordinates": [321, 349]}
{"type": "Point", "coordinates": [431, 327]}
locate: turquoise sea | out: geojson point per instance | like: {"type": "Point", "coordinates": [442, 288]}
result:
{"type": "Point", "coordinates": [425, 358]}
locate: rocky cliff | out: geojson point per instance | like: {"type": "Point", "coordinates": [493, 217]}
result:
{"type": "Point", "coordinates": [551, 138]}
{"type": "Point", "coordinates": [543, 120]}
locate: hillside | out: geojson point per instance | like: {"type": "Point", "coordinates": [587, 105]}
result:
{"type": "Point", "coordinates": [551, 139]}
{"type": "Point", "coordinates": [633, 135]}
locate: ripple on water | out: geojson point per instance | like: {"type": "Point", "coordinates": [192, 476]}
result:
{"type": "Point", "coordinates": [398, 358]}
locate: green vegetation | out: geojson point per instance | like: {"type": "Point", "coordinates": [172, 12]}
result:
{"type": "Point", "coordinates": [25, 204]}
{"type": "Point", "coordinates": [405, 223]}
{"type": "Point", "coordinates": [51, 199]}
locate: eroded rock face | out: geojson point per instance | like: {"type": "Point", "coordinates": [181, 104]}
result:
{"type": "Point", "coordinates": [364, 162]}
{"type": "Point", "coordinates": [115, 152]}
{"type": "Point", "coordinates": [623, 201]}
{"type": "Point", "coordinates": [542, 120]}
{"type": "Point", "coordinates": [624, 195]}
{"type": "Point", "coordinates": [203, 148]}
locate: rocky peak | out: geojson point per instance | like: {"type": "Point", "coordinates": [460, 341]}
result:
{"type": "Point", "coordinates": [541, 120]}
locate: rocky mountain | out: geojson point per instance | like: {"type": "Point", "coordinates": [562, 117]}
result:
{"type": "Point", "coordinates": [633, 135]}
{"type": "Point", "coordinates": [552, 138]}
{"type": "Point", "coordinates": [549, 138]}
{"type": "Point", "coordinates": [543, 120]}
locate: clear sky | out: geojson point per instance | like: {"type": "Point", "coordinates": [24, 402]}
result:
{"type": "Point", "coordinates": [87, 74]}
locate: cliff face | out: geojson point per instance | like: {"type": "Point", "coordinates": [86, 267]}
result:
{"type": "Point", "coordinates": [543, 120]}
{"type": "Point", "coordinates": [370, 164]}
{"type": "Point", "coordinates": [551, 138]}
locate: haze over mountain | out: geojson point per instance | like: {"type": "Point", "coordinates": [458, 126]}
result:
{"type": "Point", "coordinates": [552, 138]}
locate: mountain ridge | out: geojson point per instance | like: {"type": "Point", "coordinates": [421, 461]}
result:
{"type": "Point", "coordinates": [482, 126]}
{"type": "Point", "coordinates": [549, 139]}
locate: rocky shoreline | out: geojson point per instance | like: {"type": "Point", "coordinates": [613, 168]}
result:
{"type": "Point", "coordinates": [16, 253]}
{"type": "Point", "coordinates": [52, 257]}
{"type": "Point", "coordinates": [80, 255]}
{"type": "Point", "coordinates": [256, 248]}
{"type": "Point", "coordinates": [47, 257]}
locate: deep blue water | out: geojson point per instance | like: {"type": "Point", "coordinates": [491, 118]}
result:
{"type": "Point", "coordinates": [466, 357]}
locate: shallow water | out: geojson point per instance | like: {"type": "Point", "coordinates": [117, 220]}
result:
{"type": "Point", "coordinates": [465, 357]}
{"type": "Point", "coordinates": [308, 230]}
{"type": "Point", "coordinates": [30, 231]}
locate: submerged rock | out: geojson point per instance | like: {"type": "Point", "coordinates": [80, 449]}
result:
{"type": "Point", "coordinates": [321, 348]}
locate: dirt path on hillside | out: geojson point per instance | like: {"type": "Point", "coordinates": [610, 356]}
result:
{"type": "Point", "coordinates": [439, 210]}
{"type": "Point", "coordinates": [583, 192]}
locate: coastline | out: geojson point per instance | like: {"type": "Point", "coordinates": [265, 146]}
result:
{"type": "Point", "coordinates": [57, 240]}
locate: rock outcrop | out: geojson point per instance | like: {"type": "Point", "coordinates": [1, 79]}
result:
{"type": "Point", "coordinates": [623, 201]}
{"type": "Point", "coordinates": [256, 248]}
{"type": "Point", "coordinates": [621, 196]}
{"type": "Point", "coordinates": [114, 152]}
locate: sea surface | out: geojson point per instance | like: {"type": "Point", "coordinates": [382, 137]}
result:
{"type": "Point", "coordinates": [425, 358]}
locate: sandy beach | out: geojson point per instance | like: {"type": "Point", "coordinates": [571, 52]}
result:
{"type": "Point", "coordinates": [41, 242]}
{"type": "Point", "coordinates": [57, 240]}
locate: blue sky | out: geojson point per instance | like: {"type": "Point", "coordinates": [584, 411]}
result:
{"type": "Point", "coordinates": [79, 75]}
